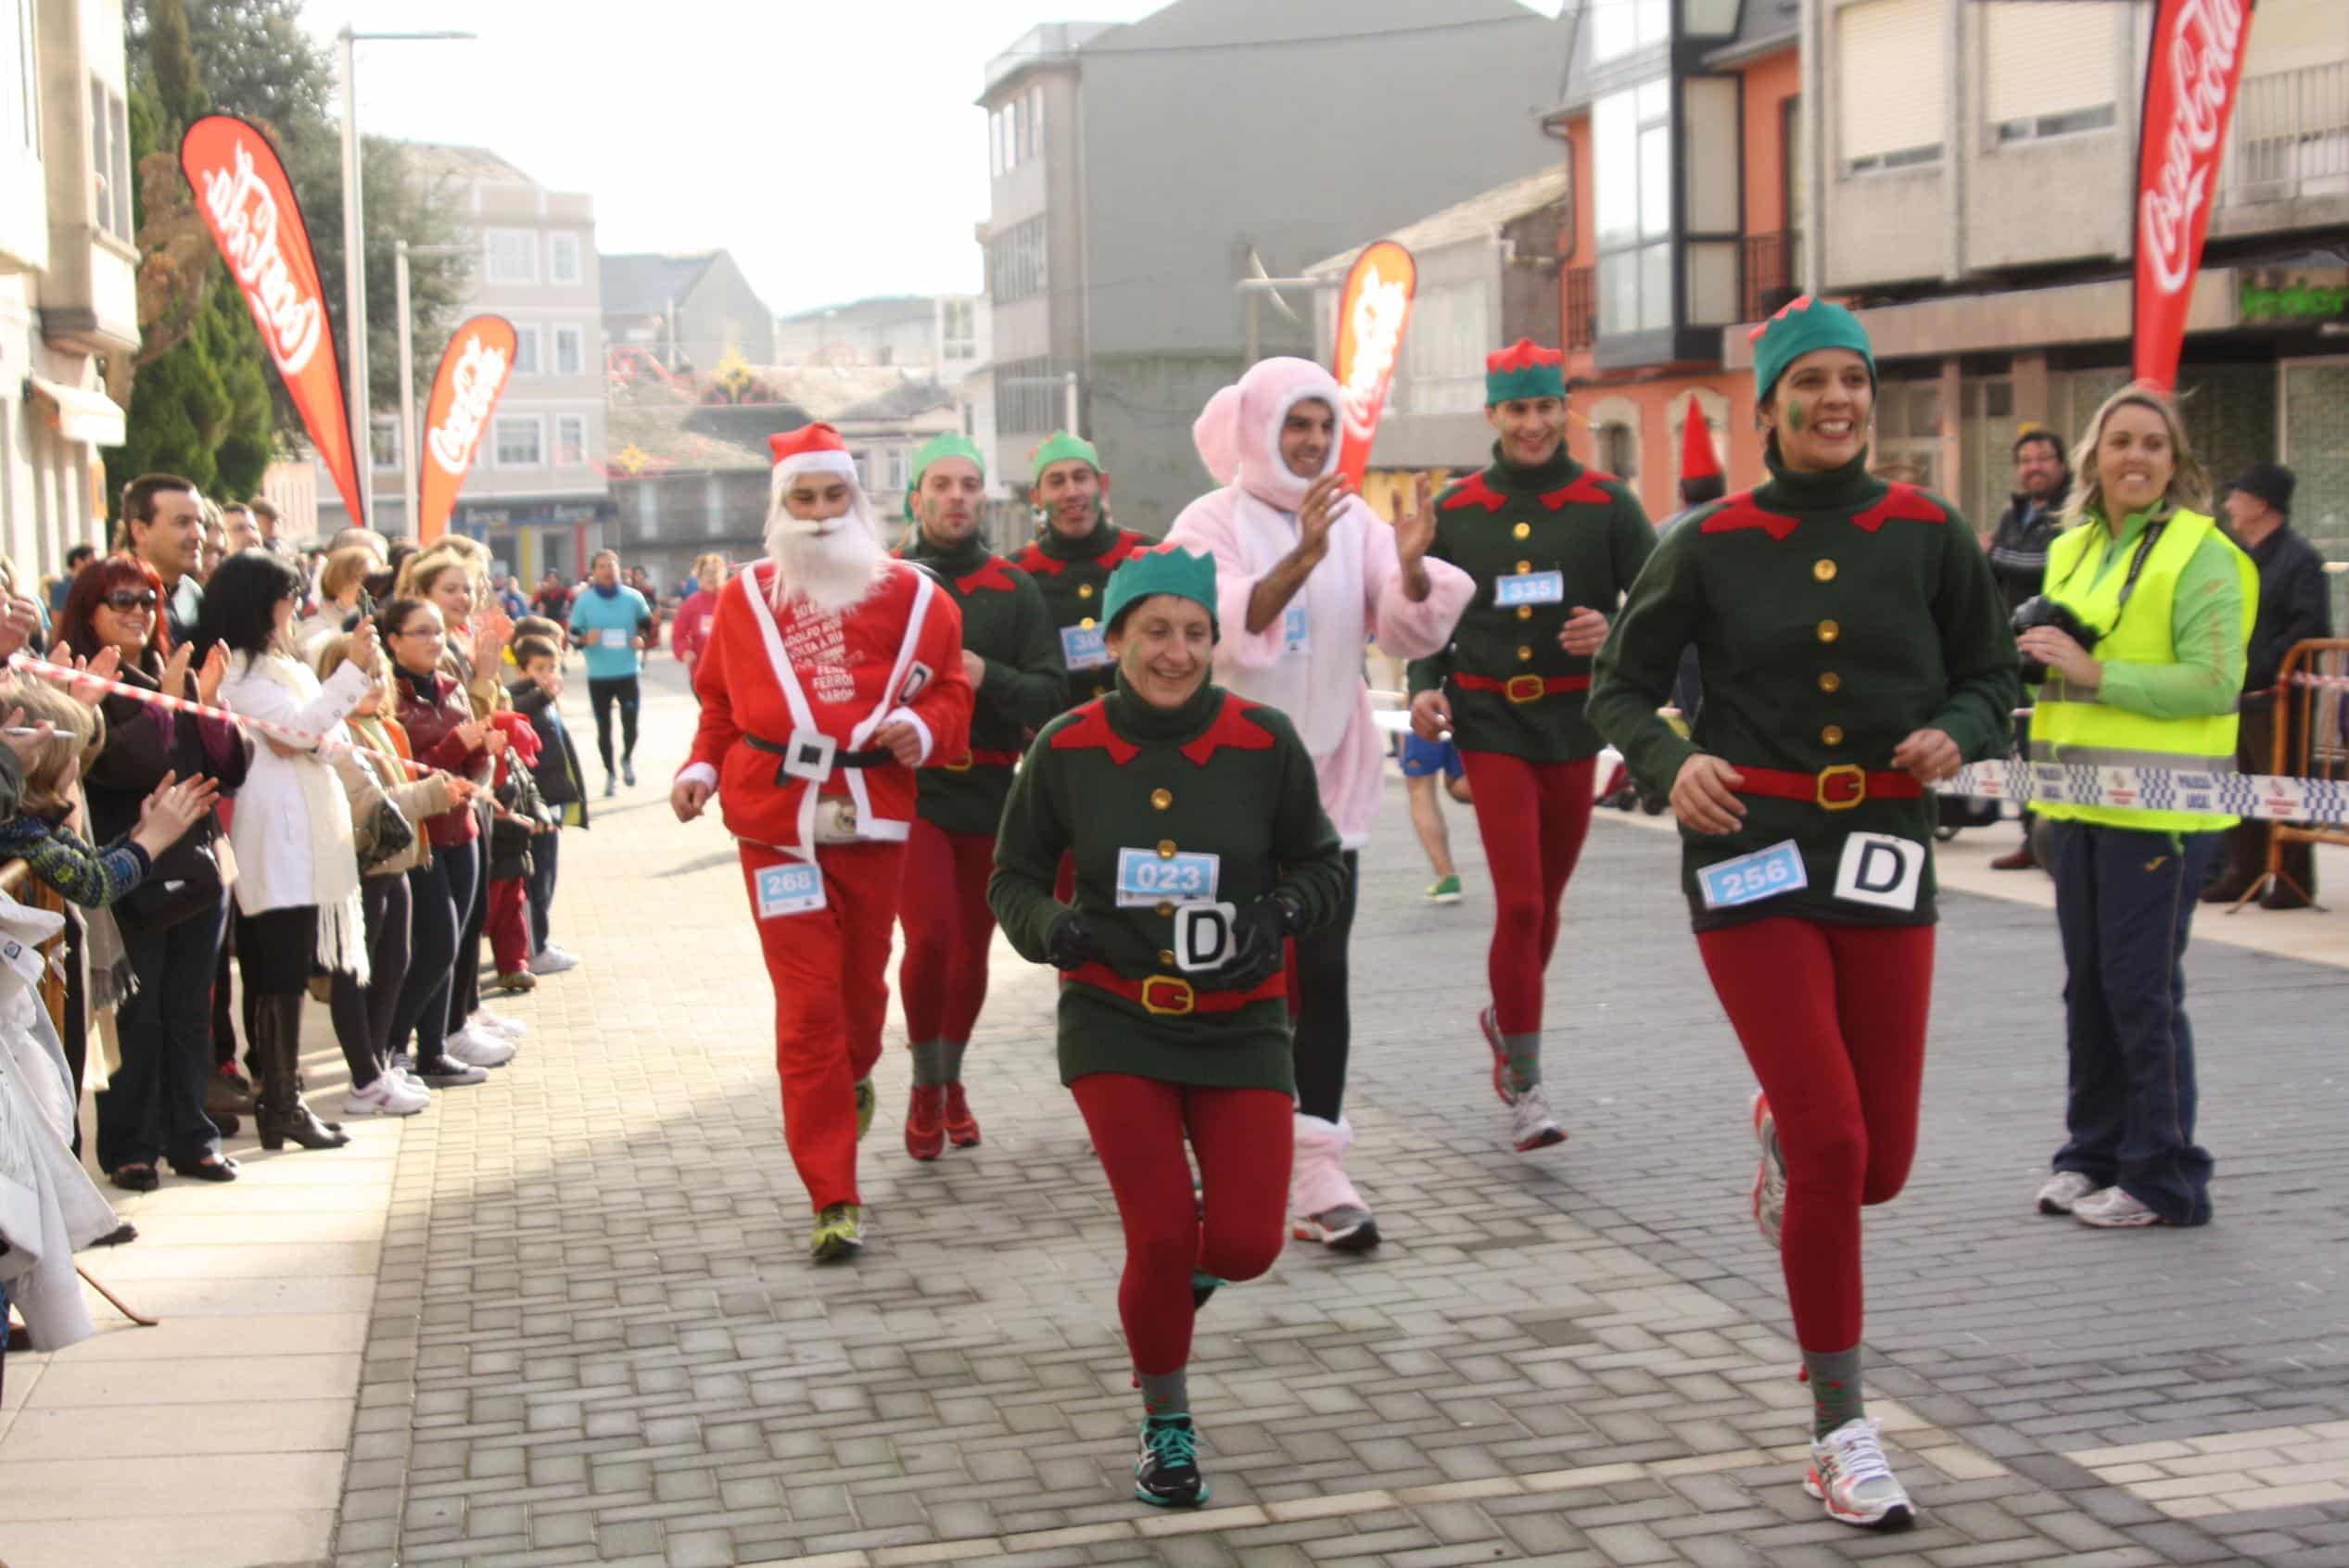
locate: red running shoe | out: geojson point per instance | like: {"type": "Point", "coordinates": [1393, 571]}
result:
{"type": "Point", "coordinates": [925, 1128]}
{"type": "Point", "coordinates": [961, 1126]}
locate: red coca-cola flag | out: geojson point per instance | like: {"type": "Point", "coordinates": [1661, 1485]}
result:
{"type": "Point", "coordinates": [241, 188]}
{"type": "Point", "coordinates": [1372, 314]}
{"type": "Point", "coordinates": [473, 371]}
{"type": "Point", "coordinates": [2190, 78]}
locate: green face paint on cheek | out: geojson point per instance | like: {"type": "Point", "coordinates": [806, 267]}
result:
{"type": "Point", "coordinates": [1794, 420]}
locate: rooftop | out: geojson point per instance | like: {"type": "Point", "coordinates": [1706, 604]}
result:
{"type": "Point", "coordinates": [648, 282]}
{"type": "Point", "coordinates": [1479, 218]}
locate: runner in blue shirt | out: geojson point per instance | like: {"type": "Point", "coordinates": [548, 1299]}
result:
{"type": "Point", "coordinates": [614, 624]}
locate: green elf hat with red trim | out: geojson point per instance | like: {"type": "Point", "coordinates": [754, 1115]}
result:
{"type": "Point", "coordinates": [1060, 446]}
{"type": "Point", "coordinates": [952, 444]}
{"type": "Point", "coordinates": [1524, 369]}
{"type": "Point", "coordinates": [1802, 326]}
{"type": "Point", "coordinates": [1166, 568]}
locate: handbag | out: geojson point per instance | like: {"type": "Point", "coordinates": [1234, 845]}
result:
{"type": "Point", "coordinates": [386, 834]}
{"type": "Point", "coordinates": [186, 880]}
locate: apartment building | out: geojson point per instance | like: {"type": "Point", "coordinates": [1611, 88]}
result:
{"type": "Point", "coordinates": [68, 302]}
{"type": "Point", "coordinates": [536, 494]}
{"type": "Point", "coordinates": [1140, 171]}
{"type": "Point", "coordinates": [1974, 164]}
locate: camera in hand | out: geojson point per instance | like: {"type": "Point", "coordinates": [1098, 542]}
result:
{"type": "Point", "coordinates": [2040, 610]}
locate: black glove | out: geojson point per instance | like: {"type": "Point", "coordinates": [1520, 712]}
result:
{"type": "Point", "coordinates": [1258, 932]}
{"type": "Point", "coordinates": [1071, 942]}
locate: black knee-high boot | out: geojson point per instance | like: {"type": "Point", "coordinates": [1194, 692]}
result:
{"type": "Point", "coordinates": [277, 1025]}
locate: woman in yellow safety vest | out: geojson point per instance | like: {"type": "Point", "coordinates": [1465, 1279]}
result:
{"type": "Point", "coordinates": [2143, 625]}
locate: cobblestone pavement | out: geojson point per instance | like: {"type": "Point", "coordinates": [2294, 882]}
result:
{"type": "Point", "coordinates": [596, 1339]}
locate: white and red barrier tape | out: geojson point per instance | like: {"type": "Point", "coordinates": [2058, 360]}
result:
{"type": "Point", "coordinates": [2321, 802]}
{"type": "Point", "coordinates": [67, 676]}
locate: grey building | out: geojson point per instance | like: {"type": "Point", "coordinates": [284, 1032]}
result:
{"type": "Point", "coordinates": [1137, 169]}
{"type": "Point", "coordinates": [944, 336]}
{"type": "Point", "coordinates": [687, 311]}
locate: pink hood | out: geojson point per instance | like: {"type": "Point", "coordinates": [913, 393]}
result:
{"type": "Point", "coordinates": [1238, 432]}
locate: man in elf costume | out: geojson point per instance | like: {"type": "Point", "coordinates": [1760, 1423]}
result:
{"type": "Point", "coordinates": [832, 673]}
{"type": "Point", "coordinates": [1012, 657]}
{"type": "Point", "coordinates": [1552, 546]}
{"type": "Point", "coordinates": [1073, 556]}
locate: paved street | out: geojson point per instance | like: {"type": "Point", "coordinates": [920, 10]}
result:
{"type": "Point", "coordinates": [596, 1339]}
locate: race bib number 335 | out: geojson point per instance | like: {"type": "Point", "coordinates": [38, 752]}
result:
{"type": "Point", "coordinates": [1146, 877]}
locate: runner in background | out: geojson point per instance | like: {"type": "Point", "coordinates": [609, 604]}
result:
{"type": "Point", "coordinates": [1424, 762]}
{"type": "Point", "coordinates": [614, 623]}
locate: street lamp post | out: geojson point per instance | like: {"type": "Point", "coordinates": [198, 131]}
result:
{"type": "Point", "coordinates": [409, 434]}
{"type": "Point", "coordinates": [355, 255]}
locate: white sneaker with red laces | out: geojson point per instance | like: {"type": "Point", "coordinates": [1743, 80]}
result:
{"type": "Point", "coordinates": [1849, 1473]}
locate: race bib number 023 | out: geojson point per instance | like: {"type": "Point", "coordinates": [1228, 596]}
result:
{"type": "Point", "coordinates": [1766, 873]}
{"type": "Point", "coordinates": [1146, 877]}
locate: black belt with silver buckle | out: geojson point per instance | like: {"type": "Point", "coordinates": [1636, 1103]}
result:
{"type": "Point", "coordinates": [840, 759]}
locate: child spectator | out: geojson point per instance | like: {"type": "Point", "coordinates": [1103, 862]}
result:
{"type": "Point", "coordinates": [562, 786]}
{"type": "Point", "coordinates": [522, 818]}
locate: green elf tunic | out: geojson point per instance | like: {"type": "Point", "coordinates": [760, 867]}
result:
{"type": "Point", "coordinates": [1074, 574]}
{"type": "Point", "coordinates": [1540, 542]}
{"type": "Point", "coordinates": [1834, 615]}
{"type": "Point", "coordinates": [1218, 776]}
{"type": "Point", "coordinates": [1005, 622]}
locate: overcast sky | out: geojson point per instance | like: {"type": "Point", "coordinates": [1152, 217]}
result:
{"type": "Point", "coordinates": [831, 144]}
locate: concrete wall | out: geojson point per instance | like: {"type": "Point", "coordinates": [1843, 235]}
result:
{"type": "Point", "coordinates": [724, 311]}
{"type": "Point", "coordinates": [1141, 408]}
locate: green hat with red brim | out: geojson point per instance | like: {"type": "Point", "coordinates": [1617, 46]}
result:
{"type": "Point", "coordinates": [1166, 568]}
{"type": "Point", "coordinates": [1524, 370]}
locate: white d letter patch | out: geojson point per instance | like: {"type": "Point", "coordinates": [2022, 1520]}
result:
{"type": "Point", "coordinates": [1880, 869]}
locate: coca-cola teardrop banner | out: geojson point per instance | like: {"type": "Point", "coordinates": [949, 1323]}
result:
{"type": "Point", "coordinates": [241, 188]}
{"type": "Point", "coordinates": [1372, 312]}
{"type": "Point", "coordinates": [2190, 78]}
{"type": "Point", "coordinates": [473, 371]}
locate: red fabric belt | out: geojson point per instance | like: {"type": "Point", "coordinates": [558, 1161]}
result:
{"type": "Point", "coordinates": [1831, 788]}
{"type": "Point", "coordinates": [969, 760]}
{"type": "Point", "coordinates": [1172, 995]}
{"type": "Point", "coordinates": [1524, 688]}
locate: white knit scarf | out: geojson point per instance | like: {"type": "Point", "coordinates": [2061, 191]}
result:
{"type": "Point", "coordinates": [333, 851]}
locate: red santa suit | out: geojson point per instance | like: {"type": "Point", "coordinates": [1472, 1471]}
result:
{"type": "Point", "coordinates": [790, 697]}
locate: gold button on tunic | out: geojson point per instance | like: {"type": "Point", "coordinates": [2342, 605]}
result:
{"type": "Point", "coordinates": [1830, 682]}
{"type": "Point", "coordinates": [1522, 531]}
{"type": "Point", "coordinates": [1166, 849]}
{"type": "Point", "coordinates": [1831, 735]}
{"type": "Point", "coordinates": [1084, 590]}
{"type": "Point", "coordinates": [1824, 570]}
{"type": "Point", "coordinates": [1829, 631]}
{"type": "Point", "coordinates": [1161, 799]}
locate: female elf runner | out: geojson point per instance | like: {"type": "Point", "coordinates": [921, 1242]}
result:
{"type": "Point", "coordinates": [1195, 821]}
{"type": "Point", "coordinates": [1855, 651]}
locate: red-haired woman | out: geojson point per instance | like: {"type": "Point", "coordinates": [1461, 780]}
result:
{"type": "Point", "coordinates": [172, 923]}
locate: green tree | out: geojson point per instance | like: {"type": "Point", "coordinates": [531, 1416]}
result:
{"type": "Point", "coordinates": [198, 393]}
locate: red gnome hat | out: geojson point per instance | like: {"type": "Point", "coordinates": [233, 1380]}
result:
{"type": "Point", "coordinates": [1698, 458]}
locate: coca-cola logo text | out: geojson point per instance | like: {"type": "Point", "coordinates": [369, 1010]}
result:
{"type": "Point", "coordinates": [2205, 44]}
{"type": "Point", "coordinates": [1378, 314]}
{"type": "Point", "coordinates": [244, 214]}
{"type": "Point", "coordinates": [474, 385]}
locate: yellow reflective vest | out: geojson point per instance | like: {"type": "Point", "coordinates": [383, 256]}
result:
{"type": "Point", "coordinates": [2075, 727]}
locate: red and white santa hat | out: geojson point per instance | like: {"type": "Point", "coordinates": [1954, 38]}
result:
{"type": "Point", "coordinates": [811, 448]}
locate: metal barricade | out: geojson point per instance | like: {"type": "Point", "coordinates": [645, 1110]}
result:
{"type": "Point", "coordinates": [2312, 739]}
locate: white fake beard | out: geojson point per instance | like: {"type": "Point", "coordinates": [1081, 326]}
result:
{"type": "Point", "coordinates": [831, 571]}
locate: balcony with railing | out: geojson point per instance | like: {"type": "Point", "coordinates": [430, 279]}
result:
{"type": "Point", "coordinates": [2290, 138]}
{"type": "Point", "coordinates": [1768, 272]}
{"type": "Point", "coordinates": [1582, 309]}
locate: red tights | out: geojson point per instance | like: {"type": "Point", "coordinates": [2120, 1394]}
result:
{"type": "Point", "coordinates": [1533, 817]}
{"type": "Point", "coordinates": [1235, 1228]}
{"type": "Point", "coordinates": [941, 979]}
{"type": "Point", "coordinates": [1832, 1018]}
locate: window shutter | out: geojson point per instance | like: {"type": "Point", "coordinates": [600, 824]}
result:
{"type": "Point", "coordinates": [2044, 60]}
{"type": "Point", "coordinates": [1892, 78]}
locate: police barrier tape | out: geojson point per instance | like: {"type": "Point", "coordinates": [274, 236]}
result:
{"type": "Point", "coordinates": [67, 676]}
{"type": "Point", "coordinates": [2261, 795]}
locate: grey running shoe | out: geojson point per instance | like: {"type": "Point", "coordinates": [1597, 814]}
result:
{"type": "Point", "coordinates": [1348, 1228]}
{"type": "Point", "coordinates": [1530, 1125]}
{"type": "Point", "coordinates": [1849, 1473]}
{"type": "Point", "coordinates": [2113, 1209]}
{"type": "Point", "coordinates": [2060, 1191]}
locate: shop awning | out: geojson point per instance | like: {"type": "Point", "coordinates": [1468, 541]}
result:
{"type": "Point", "coordinates": [82, 415]}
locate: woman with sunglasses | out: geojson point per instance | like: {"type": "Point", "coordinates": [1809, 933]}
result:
{"type": "Point", "coordinates": [172, 923]}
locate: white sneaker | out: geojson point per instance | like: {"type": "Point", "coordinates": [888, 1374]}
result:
{"type": "Point", "coordinates": [497, 1023]}
{"type": "Point", "coordinates": [1530, 1125]}
{"type": "Point", "coordinates": [2060, 1191]}
{"type": "Point", "coordinates": [386, 1096]}
{"type": "Point", "coordinates": [1849, 1473]}
{"type": "Point", "coordinates": [474, 1048]}
{"type": "Point", "coordinates": [1328, 1209]}
{"type": "Point", "coordinates": [2113, 1209]}
{"type": "Point", "coordinates": [553, 960]}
